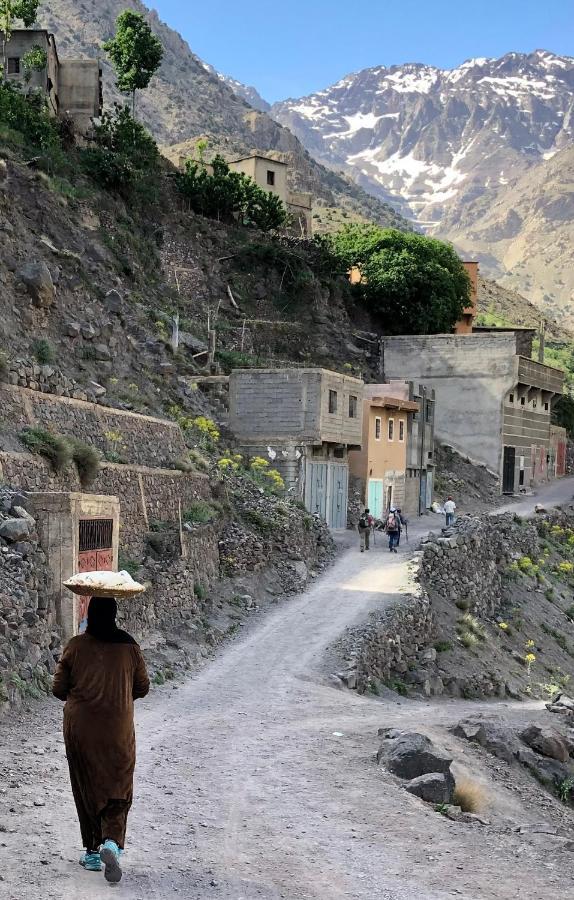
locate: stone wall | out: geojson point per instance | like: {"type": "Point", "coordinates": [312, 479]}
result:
{"type": "Point", "coordinates": [469, 563]}
{"type": "Point", "coordinates": [136, 439]}
{"type": "Point", "coordinates": [146, 495]}
{"type": "Point", "coordinates": [29, 636]}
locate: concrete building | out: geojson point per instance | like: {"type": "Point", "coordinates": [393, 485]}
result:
{"type": "Point", "coordinates": [73, 87]}
{"type": "Point", "coordinates": [78, 533]}
{"type": "Point", "coordinates": [305, 421]}
{"type": "Point", "coordinates": [493, 401]}
{"type": "Point", "coordinates": [395, 464]}
{"type": "Point", "coordinates": [558, 451]}
{"type": "Point", "coordinates": [272, 175]}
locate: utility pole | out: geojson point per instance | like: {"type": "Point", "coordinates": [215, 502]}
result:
{"type": "Point", "coordinates": [423, 426]}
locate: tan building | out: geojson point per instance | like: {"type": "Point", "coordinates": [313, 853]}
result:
{"type": "Point", "coordinates": [272, 175]}
{"type": "Point", "coordinates": [73, 87]}
{"type": "Point", "coordinates": [304, 421]}
{"type": "Point", "coordinates": [395, 464]}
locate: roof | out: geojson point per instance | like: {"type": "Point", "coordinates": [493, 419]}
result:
{"type": "Point", "coordinates": [279, 162]}
{"type": "Point", "coordinates": [296, 370]}
{"type": "Point", "coordinates": [393, 403]}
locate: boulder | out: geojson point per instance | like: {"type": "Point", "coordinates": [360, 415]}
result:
{"type": "Point", "coordinates": [18, 512]}
{"type": "Point", "coordinates": [545, 742]}
{"type": "Point", "coordinates": [412, 754]}
{"type": "Point", "coordinates": [14, 530]}
{"type": "Point", "coordinates": [435, 787]}
{"type": "Point", "coordinates": [548, 772]}
{"type": "Point", "coordinates": [113, 302]}
{"type": "Point", "coordinates": [102, 353]}
{"type": "Point", "coordinates": [36, 276]}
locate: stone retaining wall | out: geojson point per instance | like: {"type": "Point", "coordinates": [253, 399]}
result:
{"type": "Point", "coordinates": [147, 495]}
{"type": "Point", "coordinates": [137, 439]}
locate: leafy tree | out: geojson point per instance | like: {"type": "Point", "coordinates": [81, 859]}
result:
{"type": "Point", "coordinates": [563, 414]}
{"type": "Point", "coordinates": [229, 196]}
{"type": "Point", "coordinates": [12, 11]}
{"type": "Point", "coordinates": [135, 52]}
{"type": "Point", "coordinates": [125, 157]}
{"type": "Point", "coordinates": [414, 284]}
{"type": "Point", "coordinates": [35, 60]}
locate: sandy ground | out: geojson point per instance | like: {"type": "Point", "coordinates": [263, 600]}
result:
{"type": "Point", "coordinates": [257, 779]}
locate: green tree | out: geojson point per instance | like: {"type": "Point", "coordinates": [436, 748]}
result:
{"type": "Point", "coordinates": [12, 11]}
{"type": "Point", "coordinates": [35, 60]}
{"type": "Point", "coordinates": [563, 414]}
{"type": "Point", "coordinates": [135, 52]}
{"type": "Point", "coordinates": [413, 284]}
{"type": "Point", "coordinates": [215, 191]}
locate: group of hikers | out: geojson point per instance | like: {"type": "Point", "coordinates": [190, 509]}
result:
{"type": "Point", "coordinates": [393, 524]}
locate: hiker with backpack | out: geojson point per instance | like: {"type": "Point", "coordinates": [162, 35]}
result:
{"type": "Point", "coordinates": [364, 529]}
{"type": "Point", "coordinates": [393, 529]}
{"type": "Point", "coordinates": [403, 523]}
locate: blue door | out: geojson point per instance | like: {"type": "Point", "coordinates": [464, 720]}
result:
{"type": "Point", "coordinates": [338, 496]}
{"type": "Point", "coordinates": [375, 497]}
{"type": "Point", "coordinates": [316, 488]}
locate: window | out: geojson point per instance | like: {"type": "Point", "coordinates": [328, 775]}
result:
{"type": "Point", "coordinates": [339, 453]}
{"type": "Point", "coordinates": [378, 428]}
{"type": "Point", "coordinates": [402, 430]}
{"type": "Point", "coordinates": [270, 177]}
{"type": "Point", "coordinates": [534, 404]}
{"type": "Point", "coordinates": [521, 477]}
{"type": "Point", "coordinates": [522, 401]}
{"type": "Point", "coordinates": [352, 407]}
{"type": "Point", "coordinates": [511, 398]}
{"type": "Point", "coordinates": [13, 65]}
{"type": "Point", "coordinates": [332, 401]}
{"type": "Point", "coordinates": [391, 429]}
{"type": "Point", "coordinates": [545, 407]}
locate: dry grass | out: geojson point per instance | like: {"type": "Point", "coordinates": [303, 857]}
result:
{"type": "Point", "coordinates": [469, 795]}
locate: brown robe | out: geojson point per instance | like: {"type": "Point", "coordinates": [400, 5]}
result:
{"type": "Point", "coordinates": [99, 681]}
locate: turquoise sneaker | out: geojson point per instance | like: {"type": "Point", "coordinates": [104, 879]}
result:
{"type": "Point", "coordinates": [91, 862]}
{"type": "Point", "coordinates": [110, 855]}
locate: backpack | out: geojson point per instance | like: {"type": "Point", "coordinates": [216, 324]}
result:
{"type": "Point", "coordinates": [363, 522]}
{"type": "Point", "coordinates": [392, 524]}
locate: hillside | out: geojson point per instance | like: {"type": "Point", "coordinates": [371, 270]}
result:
{"type": "Point", "coordinates": [481, 155]}
{"type": "Point", "coordinates": [501, 305]}
{"type": "Point", "coordinates": [187, 99]}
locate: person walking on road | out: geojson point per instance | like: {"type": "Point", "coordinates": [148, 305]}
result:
{"type": "Point", "coordinates": [99, 676]}
{"type": "Point", "coordinates": [403, 524]}
{"type": "Point", "coordinates": [392, 527]}
{"type": "Point", "coordinates": [364, 528]}
{"type": "Point", "coordinates": [449, 511]}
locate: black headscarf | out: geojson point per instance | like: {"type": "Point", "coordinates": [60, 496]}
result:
{"type": "Point", "coordinates": [102, 613]}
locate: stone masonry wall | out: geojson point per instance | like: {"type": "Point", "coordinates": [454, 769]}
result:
{"type": "Point", "coordinates": [146, 495]}
{"type": "Point", "coordinates": [137, 439]}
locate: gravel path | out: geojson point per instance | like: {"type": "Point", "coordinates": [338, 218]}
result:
{"type": "Point", "coordinates": [257, 779]}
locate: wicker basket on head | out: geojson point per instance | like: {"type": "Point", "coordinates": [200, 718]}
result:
{"type": "Point", "coordinates": [82, 586]}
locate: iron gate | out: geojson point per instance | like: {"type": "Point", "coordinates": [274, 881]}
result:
{"type": "Point", "coordinates": [95, 553]}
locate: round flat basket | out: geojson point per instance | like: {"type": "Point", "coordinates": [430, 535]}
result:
{"type": "Point", "coordinates": [84, 590]}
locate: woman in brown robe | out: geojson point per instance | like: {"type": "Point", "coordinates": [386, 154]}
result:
{"type": "Point", "coordinates": [99, 676]}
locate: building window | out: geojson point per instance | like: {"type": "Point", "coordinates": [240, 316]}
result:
{"type": "Point", "coordinates": [511, 398]}
{"type": "Point", "coordinates": [352, 407]}
{"type": "Point", "coordinates": [270, 177]}
{"type": "Point", "coordinates": [545, 407]}
{"type": "Point", "coordinates": [391, 429]}
{"type": "Point", "coordinates": [378, 428]}
{"type": "Point", "coordinates": [522, 401]}
{"type": "Point", "coordinates": [13, 65]}
{"type": "Point", "coordinates": [521, 478]}
{"type": "Point", "coordinates": [402, 430]}
{"type": "Point", "coordinates": [339, 453]}
{"type": "Point", "coordinates": [429, 454]}
{"type": "Point", "coordinates": [332, 401]}
{"type": "Point", "coordinates": [534, 404]}
{"type": "Point", "coordinates": [428, 411]}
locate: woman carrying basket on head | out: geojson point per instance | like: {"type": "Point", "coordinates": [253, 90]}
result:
{"type": "Point", "coordinates": [100, 674]}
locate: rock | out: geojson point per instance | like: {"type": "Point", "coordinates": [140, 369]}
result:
{"type": "Point", "coordinates": [102, 353]}
{"type": "Point", "coordinates": [190, 342]}
{"type": "Point", "coordinates": [18, 512]}
{"type": "Point", "coordinates": [430, 655]}
{"type": "Point", "coordinates": [435, 787]}
{"type": "Point", "coordinates": [470, 731]}
{"type": "Point", "coordinates": [539, 508]}
{"type": "Point", "coordinates": [113, 302]}
{"type": "Point", "coordinates": [73, 329]}
{"type": "Point", "coordinates": [547, 771]}
{"type": "Point", "coordinates": [547, 743]}
{"type": "Point", "coordinates": [36, 276]}
{"type": "Point", "coordinates": [13, 530]}
{"type": "Point", "coordinates": [412, 754]}
{"type": "Point", "coordinates": [97, 389]}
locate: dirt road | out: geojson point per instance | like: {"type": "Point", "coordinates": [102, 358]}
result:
{"type": "Point", "coordinates": [257, 779]}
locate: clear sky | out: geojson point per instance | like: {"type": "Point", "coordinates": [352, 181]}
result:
{"type": "Point", "coordinates": [289, 48]}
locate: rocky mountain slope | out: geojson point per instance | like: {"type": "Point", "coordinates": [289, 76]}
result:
{"type": "Point", "coordinates": [498, 305]}
{"type": "Point", "coordinates": [188, 99]}
{"type": "Point", "coordinates": [480, 154]}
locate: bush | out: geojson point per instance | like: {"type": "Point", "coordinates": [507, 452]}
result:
{"type": "Point", "coordinates": [26, 115]}
{"type": "Point", "coordinates": [125, 157]}
{"type": "Point", "coordinates": [126, 564]}
{"type": "Point", "coordinates": [200, 512]}
{"type": "Point", "coordinates": [469, 623]}
{"type": "Point", "coordinates": [443, 646]}
{"type": "Point", "coordinates": [43, 351]}
{"type": "Point", "coordinates": [87, 460]}
{"type": "Point", "coordinates": [53, 447]}
{"type": "Point", "coordinates": [469, 795]}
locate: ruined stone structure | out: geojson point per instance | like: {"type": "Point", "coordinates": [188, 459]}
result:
{"type": "Point", "coordinates": [305, 421]}
{"type": "Point", "coordinates": [493, 402]}
{"type": "Point", "coordinates": [73, 87]}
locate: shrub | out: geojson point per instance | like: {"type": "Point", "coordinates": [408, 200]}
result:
{"type": "Point", "coordinates": [468, 639]}
{"type": "Point", "coordinates": [43, 351]}
{"type": "Point", "coordinates": [87, 460]}
{"type": "Point", "coordinates": [125, 564]}
{"type": "Point", "coordinates": [260, 521]}
{"type": "Point", "coordinates": [199, 591]}
{"type": "Point", "coordinates": [443, 646]}
{"type": "Point", "coordinates": [27, 115]}
{"type": "Point", "coordinates": [53, 447]}
{"type": "Point", "coordinates": [463, 605]}
{"type": "Point", "coordinates": [469, 795]}
{"type": "Point", "coordinates": [200, 512]}
{"type": "Point", "coordinates": [469, 623]}
{"type": "Point", "coordinates": [565, 789]}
